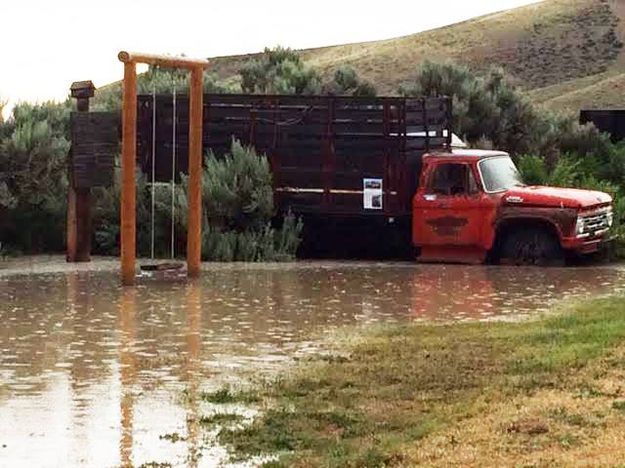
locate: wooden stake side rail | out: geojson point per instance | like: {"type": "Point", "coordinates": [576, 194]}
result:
{"type": "Point", "coordinates": [129, 157]}
{"type": "Point", "coordinates": [320, 147]}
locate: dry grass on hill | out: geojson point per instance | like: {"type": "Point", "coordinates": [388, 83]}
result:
{"type": "Point", "coordinates": [567, 53]}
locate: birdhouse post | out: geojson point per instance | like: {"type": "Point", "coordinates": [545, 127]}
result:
{"type": "Point", "coordinates": [79, 198]}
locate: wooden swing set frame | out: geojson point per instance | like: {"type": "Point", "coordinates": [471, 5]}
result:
{"type": "Point", "coordinates": [129, 158]}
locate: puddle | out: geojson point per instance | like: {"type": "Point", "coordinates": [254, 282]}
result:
{"type": "Point", "coordinates": [92, 373]}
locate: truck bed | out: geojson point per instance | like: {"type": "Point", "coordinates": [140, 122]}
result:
{"type": "Point", "coordinates": [328, 154]}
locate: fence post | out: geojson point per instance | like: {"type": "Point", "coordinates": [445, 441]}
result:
{"type": "Point", "coordinates": [79, 199]}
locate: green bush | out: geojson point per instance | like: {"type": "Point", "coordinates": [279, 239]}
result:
{"type": "Point", "coordinates": [490, 107]}
{"type": "Point", "coordinates": [238, 213]}
{"type": "Point", "coordinates": [33, 177]}
{"type": "Point", "coordinates": [533, 169]}
{"type": "Point", "coordinates": [569, 171]}
{"type": "Point", "coordinates": [282, 71]}
{"type": "Point", "coordinates": [160, 80]}
{"type": "Point", "coordinates": [347, 83]}
{"type": "Point", "coordinates": [237, 189]}
{"type": "Point", "coordinates": [483, 107]}
{"type": "Point", "coordinates": [238, 210]}
{"type": "Point", "coordinates": [106, 218]}
{"type": "Point", "coordinates": [279, 71]}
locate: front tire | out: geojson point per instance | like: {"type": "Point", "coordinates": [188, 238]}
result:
{"type": "Point", "coordinates": [531, 246]}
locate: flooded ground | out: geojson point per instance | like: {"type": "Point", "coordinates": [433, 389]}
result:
{"type": "Point", "coordinates": [93, 374]}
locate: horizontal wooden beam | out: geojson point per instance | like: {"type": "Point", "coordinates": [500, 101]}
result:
{"type": "Point", "coordinates": [162, 60]}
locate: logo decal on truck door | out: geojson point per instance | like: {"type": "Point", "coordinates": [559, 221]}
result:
{"type": "Point", "coordinates": [447, 225]}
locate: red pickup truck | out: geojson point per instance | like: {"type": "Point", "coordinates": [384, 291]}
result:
{"type": "Point", "coordinates": [472, 206]}
{"type": "Point", "coordinates": [381, 174]}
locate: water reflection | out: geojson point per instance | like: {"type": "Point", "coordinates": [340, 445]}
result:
{"type": "Point", "coordinates": [92, 374]}
{"type": "Point", "coordinates": [192, 371]}
{"type": "Point", "coordinates": [127, 362]}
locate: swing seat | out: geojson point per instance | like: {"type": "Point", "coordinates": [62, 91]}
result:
{"type": "Point", "coordinates": [167, 266]}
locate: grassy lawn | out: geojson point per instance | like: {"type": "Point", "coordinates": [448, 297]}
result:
{"type": "Point", "coordinates": [544, 392]}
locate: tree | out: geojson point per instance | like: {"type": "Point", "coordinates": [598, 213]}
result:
{"type": "Point", "coordinates": [483, 107]}
{"type": "Point", "coordinates": [33, 176]}
{"type": "Point", "coordinates": [160, 80]}
{"type": "Point", "coordinates": [346, 82]}
{"type": "Point", "coordinates": [279, 71]}
{"type": "Point", "coordinates": [237, 189]}
{"type": "Point", "coordinates": [282, 71]}
{"type": "Point", "coordinates": [239, 210]}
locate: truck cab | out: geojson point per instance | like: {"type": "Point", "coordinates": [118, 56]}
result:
{"type": "Point", "coordinates": [471, 206]}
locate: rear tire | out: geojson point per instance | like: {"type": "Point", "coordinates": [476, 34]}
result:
{"type": "Point", "coordinates": [531, 246]}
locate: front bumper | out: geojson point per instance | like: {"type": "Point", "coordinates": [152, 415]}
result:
{"type": "Point", "coordinates": [587, 245]}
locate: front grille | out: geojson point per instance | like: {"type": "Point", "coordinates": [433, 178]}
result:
{"type": "Point", "coordinates": [598, 222]}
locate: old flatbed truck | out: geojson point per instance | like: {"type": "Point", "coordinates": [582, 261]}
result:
{"type": "Point", "coordinates": [377, 169]}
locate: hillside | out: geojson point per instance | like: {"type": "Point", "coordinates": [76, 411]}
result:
{"type": "Point", "coordinates": [566, 54]}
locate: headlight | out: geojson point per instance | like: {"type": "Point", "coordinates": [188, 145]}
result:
{"type": "Point", "coordinates": [610, 218]}
{"type": "Point", "coordinates": [579, 226]}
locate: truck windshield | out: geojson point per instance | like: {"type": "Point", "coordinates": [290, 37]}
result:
{"type": "Point", "coordinates": [499, 174]}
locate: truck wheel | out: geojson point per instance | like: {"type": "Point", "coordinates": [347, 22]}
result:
{"type": "Point", "coordinates": [532, 246]}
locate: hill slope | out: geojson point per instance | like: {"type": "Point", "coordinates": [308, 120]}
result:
{"type": "Point", "coordinates": [566, 53]}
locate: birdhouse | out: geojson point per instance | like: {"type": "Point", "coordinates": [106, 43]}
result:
{"type": "Point", "coordinates": [82, 89]}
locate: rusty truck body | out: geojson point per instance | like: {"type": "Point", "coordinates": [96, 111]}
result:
{"type": "Point", "coordinates": [385, 166]}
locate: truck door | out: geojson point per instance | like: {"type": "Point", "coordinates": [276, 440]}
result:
{"type": "Point", "coordinates": [449, 210]}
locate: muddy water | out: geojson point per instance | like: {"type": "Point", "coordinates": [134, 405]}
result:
{"type": "Point", "coordinates": [92, 374]}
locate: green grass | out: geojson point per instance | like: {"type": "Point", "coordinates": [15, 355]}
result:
{"type": "Point", "coordinates": [228, 395]}
{"type": "Point", "coordinates": [220, 419]}
{"type": "Point", "coordinates": [619, 405]}
{"type": "Point", "coordinates": [172, 437]}
{"type": "Point", "coordinates": [402, 384]}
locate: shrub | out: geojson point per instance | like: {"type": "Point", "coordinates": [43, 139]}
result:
{"type": "Point", "coordinates": [483, 107]}
{"type": "Point", "coordinates": [279, 71]}
{"type": "Point", "coordinates": [347, 83]}
{"type": "Point", "coordinates": [237, 189]}
{"type": "Point", "coordinates": [33, 177]}
{"type": "Point", "coordinates": [160, 80]}
{"type": "Point", "coordinates": [533, 169]}
{"type": "Point", "coordinates": [568, 171]}
{"type": "Point", "coordinates": [282, 71]}
{"type": "Point", "coordinates": [238, 210]}
{"type": "Point", "coordinates": [238, 213]}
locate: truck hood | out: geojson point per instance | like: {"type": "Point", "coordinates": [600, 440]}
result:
{"type": "Point", "coordinates": [556, 197]}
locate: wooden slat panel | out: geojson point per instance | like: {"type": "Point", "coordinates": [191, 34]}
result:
{"type": "Point", "coordinates": [330, 142]}
{"type": "Point", "coordinates": [95, 143]}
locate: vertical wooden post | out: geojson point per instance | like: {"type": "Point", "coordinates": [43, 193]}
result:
{"type": "Point", "coordinates": [194, 227]}
{"type": "Point", "coordinates": [71, 223]}
{"type": "Point", "coordinates": [79, 198]}
{"type": "Point", "coordinates": [78, 223]}
{"type": "Point", "coordinates": [128, 196]}
{"type": "Point", "coordinates": [83, 231]}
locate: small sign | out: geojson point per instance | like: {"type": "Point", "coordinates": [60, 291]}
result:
{"type": "Point", "coordinates": [372, 194]}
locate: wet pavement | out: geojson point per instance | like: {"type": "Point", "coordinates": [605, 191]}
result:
{"type": "Point", "coordinates": [92, 373]}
